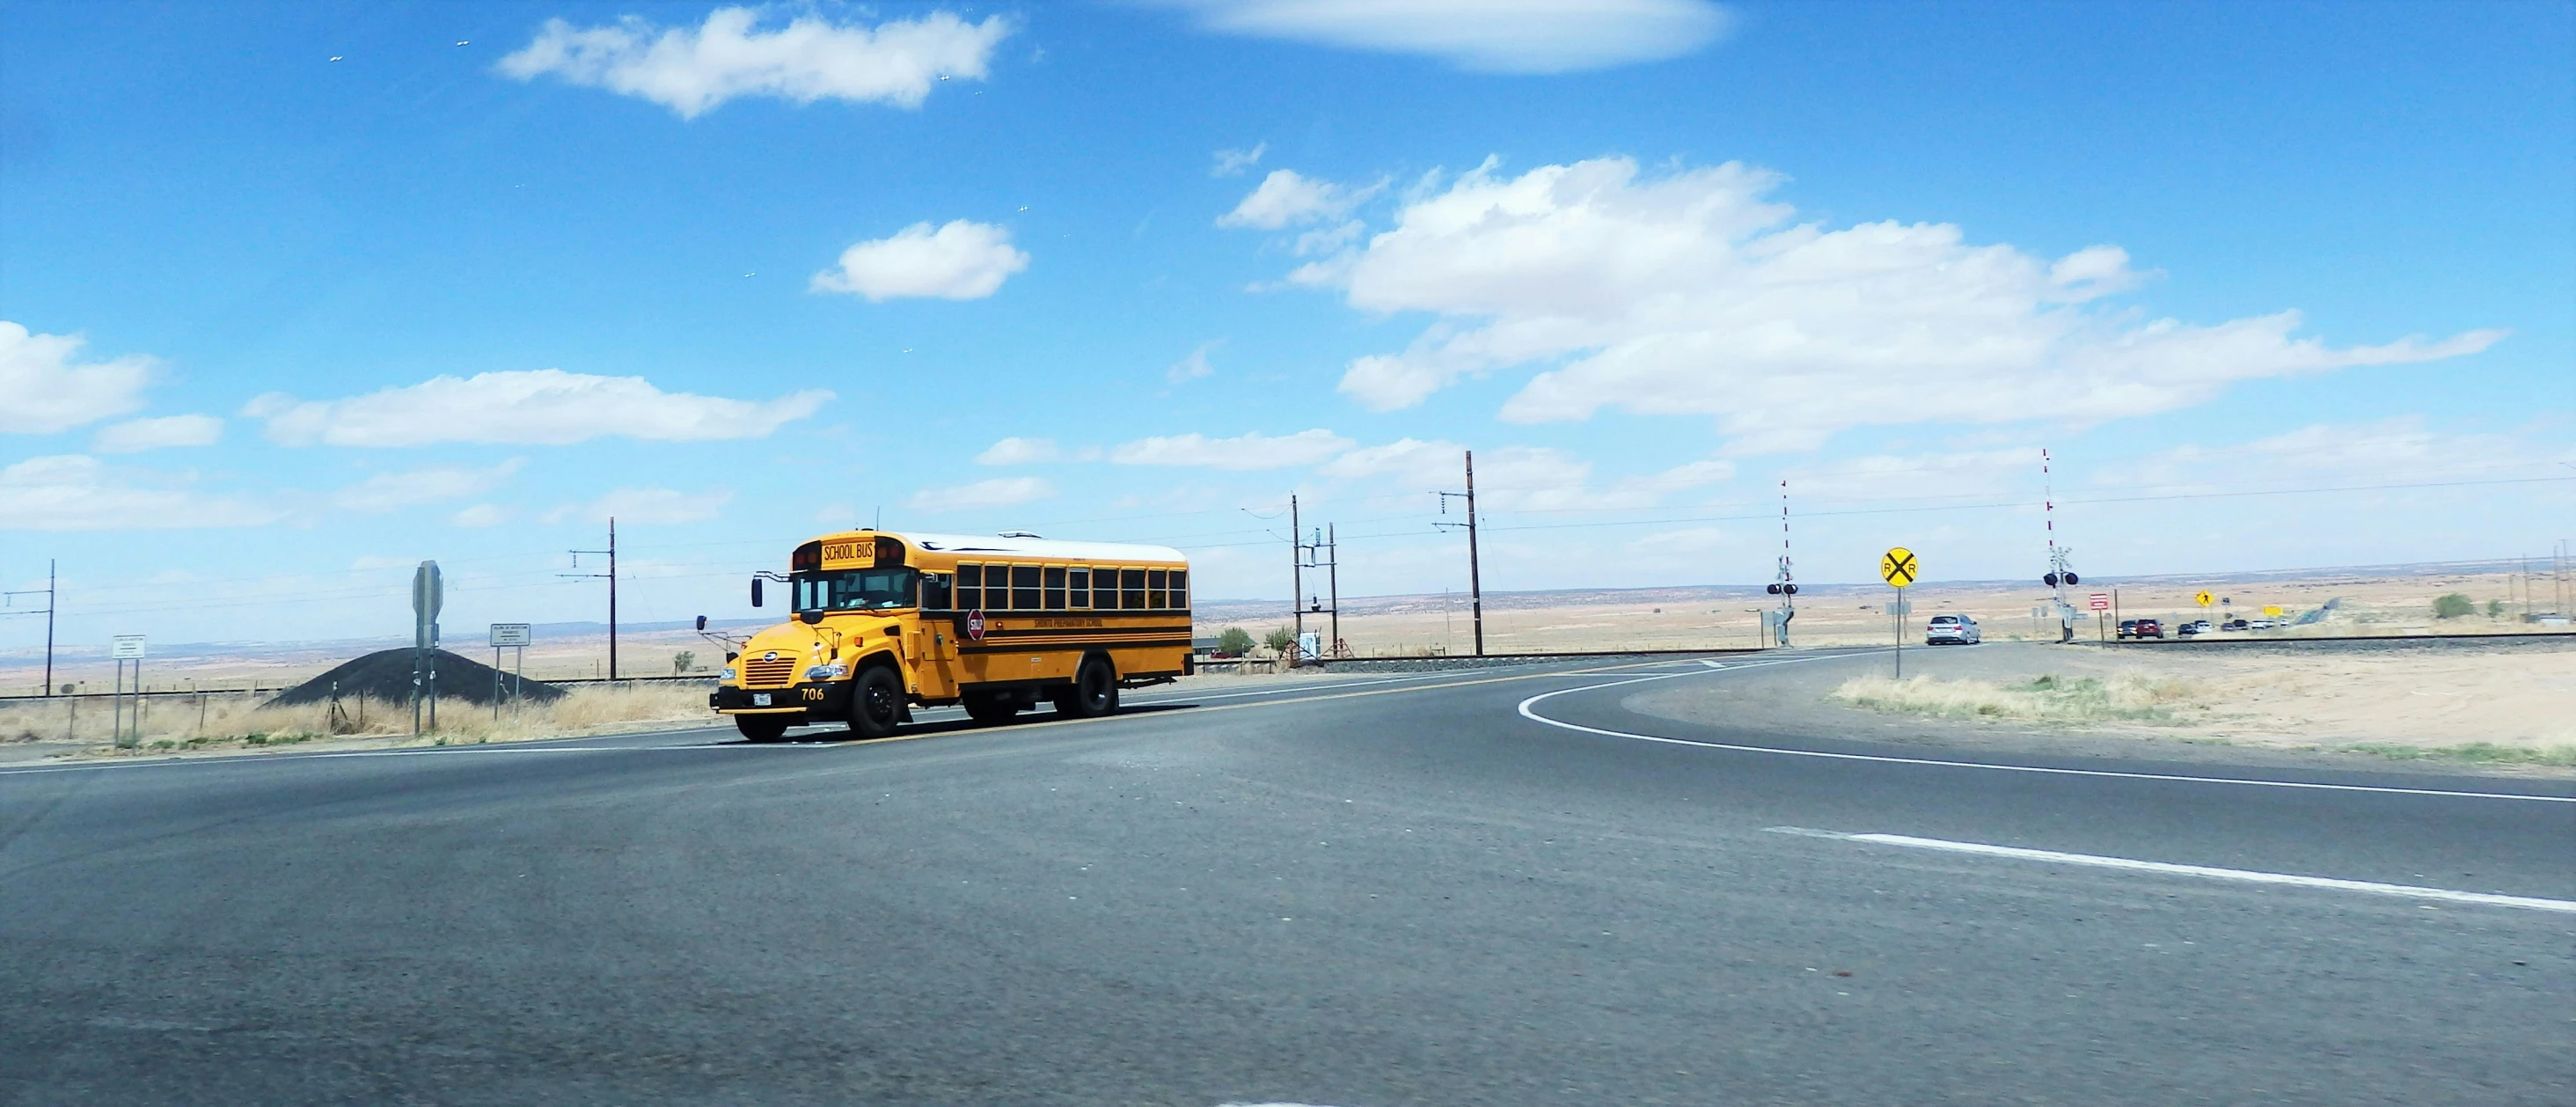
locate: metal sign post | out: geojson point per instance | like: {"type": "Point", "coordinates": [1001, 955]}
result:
{"type": "Point", "coordinates": [426, 598]}
{"type": "Point", "coordinates": [508, 636]}
{"type": "Point", "coordinates": [1899, 568]}
{"type": "Point", "coordinates": [128, 647]}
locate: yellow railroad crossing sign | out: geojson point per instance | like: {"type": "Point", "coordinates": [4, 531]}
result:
{"type": "Point", "coordinates": [2204, 599]}
{"type": "Point", "coordinates": [1897, 567]}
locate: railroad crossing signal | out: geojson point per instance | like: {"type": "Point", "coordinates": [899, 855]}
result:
{"type": "Point", "coordinates": [2204, 599]}
{"type": "Point", "coordinates": [1898, 567]}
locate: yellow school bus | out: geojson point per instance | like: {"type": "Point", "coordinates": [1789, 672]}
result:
{"type": "Point", "coordinates": [883, 622]}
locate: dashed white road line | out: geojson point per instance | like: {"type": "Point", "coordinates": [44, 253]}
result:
{"type": "Point", "coordinates": [1527, 712]}
{"type": "Point", "coordinates": [2208, 872]}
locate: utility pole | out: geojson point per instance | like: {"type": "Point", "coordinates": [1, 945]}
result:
{"type": "Point", "coordinates": [1296, 579]}
{"type": "Point", "coordinates": [1475, 574]}
{"type": "Point", "coordinates": [49, 621]}
{"type": "Point", "coordinates": [1333, 579]}
{"type": "Point", "coordinates": [611, 574]}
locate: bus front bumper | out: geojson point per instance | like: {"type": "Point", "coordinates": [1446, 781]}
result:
{"type": "Point", "coordinates": [823, 699]}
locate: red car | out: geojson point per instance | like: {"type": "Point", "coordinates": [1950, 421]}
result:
{"type": "Point", "coordinates": [2149, 628]}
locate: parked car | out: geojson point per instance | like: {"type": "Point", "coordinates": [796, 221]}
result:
{"type": "Point", "coordinates": [2261, 624]}
{"type": "Point", "coordinates": [1952, 629]}
{"type": "Point", "coordinates": [2235, 624]}
{"type": "Point", "coordinates": [2148, 628]}
{"type": "Point", "coordinates": [2128, 628]}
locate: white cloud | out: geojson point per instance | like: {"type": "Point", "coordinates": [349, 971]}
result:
{"type": "Point", "coordinates": [43, 390]}
{"type": "Point", "coordinates": [1232, 162]}
{"type": "Point", "coordinates": [541, 407]}
{"type": "Point", "coordinates": [1194, 366]}
{"type": "Point", "coordinates": [480, 515]}
{"type": "Point", "coordinates": [1692, 294]}
{"type": "Point", "coordinates": [959, 261]}
{"type": "Point", "coordinates": [2397, 450]}
{"type": "Point", "coordinates": [691, 70]}
{"type": "Point", "coordinates": [1019, 451]}
{"type": "Point", "coordinates": [77, 492]}
{"type": "Point", "coordinates": [1499, 36]}
{"type": "Point", "coordinates": [646, 506]}
{"type": "Point", "coordinates": [998, 492]}
{"type": "Point", "coordinates": [387, 491]}
{"type": "Point", "coordinates": [1286, 197]}
{"type": "Point", "coordinates": [138, 435]}
{"type": "Point", "coordinates": [1518, 478]}
{"type": "Point", "coordinates": [1243, 452]}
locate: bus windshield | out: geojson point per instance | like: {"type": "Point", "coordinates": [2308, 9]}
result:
{"type": "Point", "coordinates": [855, 590]}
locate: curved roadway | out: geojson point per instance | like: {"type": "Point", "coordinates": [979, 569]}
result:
{"type": "Point", "coordinates": [1491, 886]}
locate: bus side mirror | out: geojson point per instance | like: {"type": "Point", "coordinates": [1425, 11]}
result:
{"type": "Point", "coordinates": [702, 622]}
{"type": "Point", "coordinates": [755, 591]}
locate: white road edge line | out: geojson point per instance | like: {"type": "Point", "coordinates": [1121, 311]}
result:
{"type": "Point", "coordinates": [2250, 876]}
{"type": "Point", "coordinates": [2250, 782]}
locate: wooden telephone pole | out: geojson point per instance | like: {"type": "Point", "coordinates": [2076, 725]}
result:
{"type": "Point", "coordinates": [1475, 574]}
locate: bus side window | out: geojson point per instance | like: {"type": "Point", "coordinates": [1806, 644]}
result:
{"type": "Point", "coordinates": [1181, 589]}
{"type": "Point", "coordinates": [1154, 589]}
{"type": "Point", "coordinates": [1131, 585]}
{"type": "Point", "coordinates": [934, 591]}
{"type": "Point", "coordinates": [1104, 589]}
{"type": "Point", "coordinates": [1081, 588]}
{"type": "Point", "coordinates": [1055, 588]}
{"type": "Point", "coordinates": [970, 587]}
{"type": "Point", "coordinates": [1024, 587]}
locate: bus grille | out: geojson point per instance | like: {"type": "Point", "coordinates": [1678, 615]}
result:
{"type": "Point", "coordinates": [769, 673]}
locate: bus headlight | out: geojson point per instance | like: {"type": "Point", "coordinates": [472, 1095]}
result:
{"type": "Point", "coordinates": [827, 672]}
{"type": "Point", "coordinates": [728, 676]}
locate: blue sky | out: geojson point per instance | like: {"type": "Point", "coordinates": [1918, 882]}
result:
{"type": "Point", "coordinates": [279, 326]}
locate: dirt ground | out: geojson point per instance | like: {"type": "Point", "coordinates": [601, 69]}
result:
{"type": "Point", "coordinates": [2507, 704]}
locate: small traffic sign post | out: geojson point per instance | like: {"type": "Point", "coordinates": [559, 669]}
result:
{"type": "Point", "coordinates": [1898, 568]}
{"type": "Point", "coordinates": [128, 647]}
{"type": "Point", "coordinates": [2204, 599]}
{"type": "Point", "coordinates": [2099, 602]}
{"type": "Point", "coordinates": [512, 636]}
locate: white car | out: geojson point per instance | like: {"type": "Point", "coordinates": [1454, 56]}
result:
{"type": "Point", "coordinates": [1951, 630]}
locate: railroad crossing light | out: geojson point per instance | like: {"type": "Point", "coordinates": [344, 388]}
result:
{"type": "Point", "coordinates": [2049, 580]}
{"type": "Point", "coordinates": [1789, 589]}
{"type": "Point", "coordinates": [1774, 589]}
{"type": "Point", "coordinates": [2071, 578]}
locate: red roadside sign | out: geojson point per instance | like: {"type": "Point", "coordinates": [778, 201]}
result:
{"type": "Point", "coordinates": [975, 624]}
{"type": "Point", "coordinates": [2101, 601]}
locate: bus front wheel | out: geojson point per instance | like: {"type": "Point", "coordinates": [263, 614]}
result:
{"type": "Point", "coordinates": [1094, 692]}
{"type": "Point", "coordinates": [761, 728]}
{"type": "Point", "coordinates": [876, 704]}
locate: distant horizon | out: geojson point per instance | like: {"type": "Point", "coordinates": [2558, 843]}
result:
{"type": "Point", "coordinates": [578, 628]}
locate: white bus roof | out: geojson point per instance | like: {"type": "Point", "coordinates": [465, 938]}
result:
{"type": "Point", "coordinates": [1042, 549]}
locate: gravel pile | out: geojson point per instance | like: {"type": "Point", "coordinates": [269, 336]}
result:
{"type": "Point", "coordinates": [385, 676]}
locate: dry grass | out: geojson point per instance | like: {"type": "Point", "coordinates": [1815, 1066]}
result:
{"type": "Point", "coordinates": [175, 724]}
{"type": "Point", "coordinates": [2120, 698]}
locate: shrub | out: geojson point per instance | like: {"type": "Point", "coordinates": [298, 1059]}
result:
{"type": "Point", "coordinates": [2453, 606]}
{"type": "Point", "coordinates": [1281, 639]}
{"type": "Point", "coordinates": [1235, 640]}
{"type": "Point", "coordinates": [2495, 609]}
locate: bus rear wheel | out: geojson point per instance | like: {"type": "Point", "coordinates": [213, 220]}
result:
{"type": "Point", "coordinates": [761, 728]}
{"type": "Point", "coordinates": [876, 703]}
{"type": "Point", "coordinates": [1094, 692]}
{"type": "Point", "coordinates": [990, 708]}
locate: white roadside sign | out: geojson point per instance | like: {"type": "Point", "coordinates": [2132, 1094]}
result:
{"type": "Point", "coordinates": [129, 647]}
{"type": "Point", "coordinates": [511, 634]}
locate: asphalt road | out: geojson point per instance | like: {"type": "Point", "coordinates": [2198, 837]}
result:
{"type": "Point", "coordinates": [1388, 890]}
